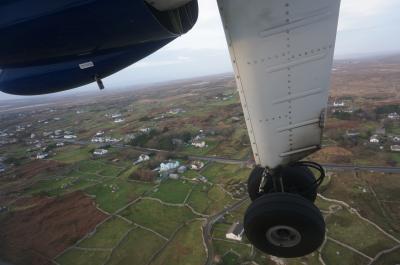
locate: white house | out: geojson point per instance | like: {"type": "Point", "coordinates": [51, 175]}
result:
{"type": "Point", "coordinates": [70, 136]}
{"type": "Point", "coordinates": [169, 165]}
{"type": "Point", "coordinates": [235, 232]}
{"type": "Point", "coordinates": [100, 133]}
{"type": "Point", "coordinates": [119, 120]}
{"type": "Point", "coordinates": [42, 155]}
{"type": "Point", "coordinates": [58, 132]}
{"type": "Point", "coordinates": [196, 165]}
{"type": "Point", "coordinates": [145, 130]}
{"type": "Point", "coordinates": [374, 139]}
{"type": "Point", "coordinates": [61, 144]}
{"type": "Point", "coordinates": [396, 139]}
{"type": "Point", "coordinates": [395, 148]}
{"type": "Point", "coordinates": [97, 140]}
{"type": "Point", "coordinates": [116, 115]}
{"type": "Point", "coordinates": [100, 152]}
{"type": "Point", "coordinates": [338, 104]}
{"type": "Point", "coordinates": [142, 158]}
{"type": "Point", "coordinates": [199, 144]}
{"type": "Point", "coordinates": [394, 116]}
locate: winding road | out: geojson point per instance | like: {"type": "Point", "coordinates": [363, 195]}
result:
{"type": "Point", "coordinates": [207, 229]}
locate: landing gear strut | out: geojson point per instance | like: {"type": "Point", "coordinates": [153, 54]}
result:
{"type": "Point", "coordinates": [282, 219]}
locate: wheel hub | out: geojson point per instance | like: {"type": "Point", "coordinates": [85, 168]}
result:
{"type": "Point", "coordinates": [283, 236]}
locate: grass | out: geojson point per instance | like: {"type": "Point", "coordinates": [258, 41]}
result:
{"type": "Point", "coordinates": [238, 214]}
{"type": "Point", "coordinates": [191, 174]}
{"type": "Point", "coordinates": [226, 173]}
{"type": "Point", "coordinates": [73, 154]}
{"type": "Point", "coordinates": [172, 191]}
{"type": "Point", "coordinates": [311, 259]}
{"type": "Point", "coordinates": [90, 166]}
{"type": "Point", "coordinates": [218, 199]}
{"type": "Point", "coordinates": [185, 249]}
{"type": "Point", "coordinates": [112, 195]}
{"type": "Point", "coordinates": [395, 157]}
{"type": "Point", "coordinates": [110, 171]}
{"type": "Point", "coordinates": [198, 199]}
{"type": "Point", "coordinates": [137, 248]}
{"type": "Point", "coordinates": [220, 230]}
{"type": "Point", "coordinates": [61, 185]}
{"type": "Point", "coordinates": [390, 258]}
{"type": "Point", "coordinates": [322, 204]}
{"type": "Point", "coordinates": [107, 235]}
{"type": "Point", "coordinates": [230, 258]}
{"type": "Point", "coordinates": [208, 200]}
{"type": "Point", "coordinates": [152, 214]}
{"type": "Point", "coordinates": [348, 228]}
{"type": "Point", "coordinates": [222, 247]}
{"type": "Point", "coordinates": [348, 187]}
{"type": "Point", "coordinates": [334, 254]}
{"type": "Point", "coordinates": [83, 257]}
{"type": "Point", "coordinates": [97, 167]}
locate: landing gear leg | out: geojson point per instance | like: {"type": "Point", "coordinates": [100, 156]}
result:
{"type": "Point", "coordinates": [282, 219]}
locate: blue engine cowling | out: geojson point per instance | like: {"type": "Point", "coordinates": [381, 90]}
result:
{"type": "Point", "coordinates": [48, 46]}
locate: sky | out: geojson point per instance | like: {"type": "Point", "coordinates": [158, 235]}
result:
{"type": "Point", "coordinates": [365, 27]}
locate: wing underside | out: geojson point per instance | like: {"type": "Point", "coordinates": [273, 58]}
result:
{"type": "Point", "coordinates": [282, 53]}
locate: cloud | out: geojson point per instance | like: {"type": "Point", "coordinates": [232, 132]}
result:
{"type": "Point", "coordinates": [208, 32]}
{"type": "Point", "coordinates": [357, 13]}
{"type": "Point", "coordinates": [153, 61]}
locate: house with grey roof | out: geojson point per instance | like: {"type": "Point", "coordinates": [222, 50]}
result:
{"type": "Point", "coordinates": [235, 232]}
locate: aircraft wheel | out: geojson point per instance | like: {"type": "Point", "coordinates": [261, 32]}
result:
{"type": "Point", "coordinates": [296, 179]}
{"type": "Point", "coordinates": [284, 225]}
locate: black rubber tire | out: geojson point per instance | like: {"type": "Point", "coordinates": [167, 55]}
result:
{"type": "Point", "coordinates": [253, 183]}
{"type": "Point", "coordinates": [284, 209]}
{"type": "Point", "coordinates": [298, 180]}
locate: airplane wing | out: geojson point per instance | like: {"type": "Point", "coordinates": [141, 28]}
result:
{"type": "Point", "coordinates": [48, 46]}
{"type": "Point", "coordinates": [282, 53]}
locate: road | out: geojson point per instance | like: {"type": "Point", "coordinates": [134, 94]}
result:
{"type": "Point", "coordinates": [333, 167]}
{"type": "Point", "coordinates": [207, 229]}
{"type": "Point", "coordinates": [378, 169]}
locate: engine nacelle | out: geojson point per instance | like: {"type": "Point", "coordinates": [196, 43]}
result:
{"type": "Point", "coordinates": [48, 46]}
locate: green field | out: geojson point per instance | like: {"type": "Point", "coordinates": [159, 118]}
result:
{"type": "Point", "coordinates": [220, 230]}
{"type": "Point", "coordinates": [186, 248]}
{"type": "Point", "coordinates": [230, 258]}
{"type": "Point", "coordinates": [334, 254]}
{"type": "Point", "coordinates": [114, 194]}
{"type": "Point", "coordinates": [107, 235]}
{"type": "Point", "coordinates": [389, 259]}
{"type": "Point", "coordinates": [61, 185]}
{"type": "Point", "coordinates": [323, 204]}
{"type": "Point", "coordinates": [172, 191]}
{"type": "Point", "coordinates": [137, 248]}
{"type": "Point", "coordinates": [348, 228]}
{"type": "Point", "coordinates": [311, 259]}
{"type": "Point", "coordinates": [226, 174]}
{"type": "Point", "coordinates": [152, 214]}
{"type": "Point", "coordinates": [72, 154]}
{"type": "Point", "coordinates": [238, 214]}
{"type": "Point", "coordinates": [83, 257]}
{"type": "Point", "coordinates": [222, 247]}
{"type": "Point", "coordinates": [208, 200]}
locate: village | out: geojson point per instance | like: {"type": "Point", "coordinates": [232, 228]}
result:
{"type": "Point", "coordinates": [164, 165]}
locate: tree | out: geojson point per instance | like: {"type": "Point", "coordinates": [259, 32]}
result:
{"type": "Point", "coordinates": [144, 175]}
